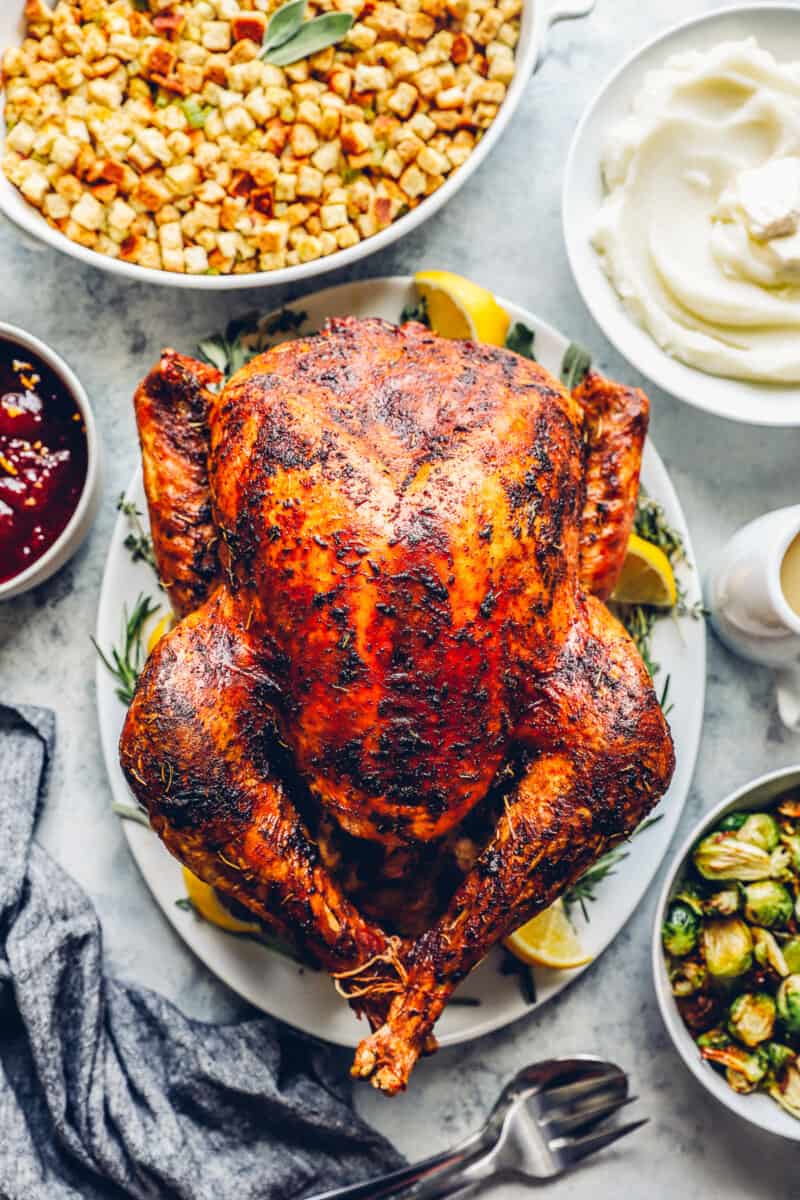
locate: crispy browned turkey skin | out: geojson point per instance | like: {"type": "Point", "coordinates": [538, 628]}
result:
{"type": "Point", "coordinates": [397, 687]}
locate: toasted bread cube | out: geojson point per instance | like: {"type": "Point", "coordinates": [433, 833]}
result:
{"type": "Point", "coordinates": [309, 182]}
{"type": "Point", "coordinates": [195, 260]}
{"type": "Point", "coordinates": [303, 141]}
{"type": "Point", "coordinates": [89, 213]}
{"type": "Point", "coordinates": [432, 162]}
{"type": "Point", "coordinates": [371, 79]}
{"type": "Point", "coordinates": [56, 207]}
{"type": "Point", "coordinates": [21, 138]}
{"type": "Point", "coordinates": [333, 216]}
{"type": "Point", "coordinates": [216, 36]}
{"type": "Point", "coordinates": [413, 181]}
{"type": "Point", "coordinates": [35, 187]}
{"type": "Point", "coordinates": [403, 99]}
{"type": "Point", "coordinates": [121, 216]}
{"type": "Point", "coordinates": [238, 122]}
{"type": "Point", "coordinates": [183, 178]}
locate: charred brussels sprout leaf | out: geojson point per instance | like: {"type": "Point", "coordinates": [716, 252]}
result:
{"type": "Point", "coordinates": [724, 856]}
{"type": "Point", "coordinates": [680, 931]}
{"type": "Point", "coordinates": [791, 955]}
{"type": "Point", "coordinates": [768, 953]}
{"type": "Point", "coordinates": [762, 830]}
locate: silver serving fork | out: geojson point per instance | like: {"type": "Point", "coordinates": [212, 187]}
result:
{"type": "Point", "coordinates": [543, 1123]}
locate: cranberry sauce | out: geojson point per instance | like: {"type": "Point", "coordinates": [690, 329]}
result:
{"type": "Point", "coordinates": [43, 458]}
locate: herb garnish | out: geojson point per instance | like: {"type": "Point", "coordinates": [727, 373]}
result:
{"type": "Point", "coordinates": [416, 312]}
{"type": "Point", "coordinates": [511, 965]}
{"type": "Point", "coordinates": [138, 543]}
{"type": "Point", "coordinates": [650, 523]}
{"type": "Point", "coordinates": [127, 659]}
{"type": "Point", "coordinates": [289, 38]}
{"type": "Point", "coordinates": [520, 339]}
{"type": "Point", "coordinates": [583, 890]}
{"type": "Point", "coordinates": [575, 365]}
{"type": "Point", "coordinates": [244, 338]}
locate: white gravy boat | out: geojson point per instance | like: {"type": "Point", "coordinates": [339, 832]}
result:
{"type": "Point", "coordinates": [749, 609]}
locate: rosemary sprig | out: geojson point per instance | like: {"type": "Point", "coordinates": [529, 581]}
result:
{"type": "Point", "coordinates": [138, 543]}
{"type": "Point", "coordinates": [511, 965]}
{"type": "Point", "coordinates": [651, 524]}
{"type": "Point", "coordinates": [126, 660]}
{"type": "Point", "coordinates": [584, 890]}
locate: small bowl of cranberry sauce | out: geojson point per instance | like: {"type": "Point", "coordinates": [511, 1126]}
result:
{"type": "Point", "coordinates": [49, 462]}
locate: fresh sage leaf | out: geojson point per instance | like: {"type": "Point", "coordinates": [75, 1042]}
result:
{"type": "Point", "coordinates": [575, 365]}
{"type": "Point", "coordinates": [214, 351]}
{"type": "Point", "coordinates": [520, 339]}
{"type": "Point", "coordinates": [284, 24]}
{"type": "Point", "coordinates": [312, 37]}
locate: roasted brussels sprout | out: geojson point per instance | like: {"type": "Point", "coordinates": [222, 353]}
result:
{"type": "Point", "coordinates": [728, 947]}
{"type": "Point", "coordinates": [791, 956]}
{"type": "Point", "coordinates": [767, 903]}
{"type": "Point", "coordinates": [744, 1068]}
{"type": "Point", "coordinates": [768, 952]}
{"type": "Point", "coordinates": [724, 856]}
{"type": "Point", "coordinates": [751, 1017]}
{"type": "Point", "coordinates": [680, 930]}
{"type": "Point", "coordinates": [779, 1058]}
{"type": "Point", "coordinates": [787, 1090]}
{"type": "Point", "coordinates": [690, 894]}
{"type": "Point", "coordinates": [732, 822]}
{"type": "Point", "coordinates": [724, 903]}
{"type": "Point", "coordinates": [760, 829]}
{"type": "Point", "coordinates": [687, 978]}
{"type": "Point", "coordinates": [715, 1039]}
{"type": "Point", "coordinates": [788, 1001]}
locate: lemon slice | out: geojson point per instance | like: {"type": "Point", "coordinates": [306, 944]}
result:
{"type": "Point", "coordinates": [163, 626]}
{"type": "Point", "coordinates": [646, 577]}
{"type": "Point", "coordinates": [459, 308]}
{"type": "Point", "coordinates": [208, 905]}
{"type": "Point", "coordinates": [549, 941]}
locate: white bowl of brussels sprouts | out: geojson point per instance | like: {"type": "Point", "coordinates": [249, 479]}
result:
{"type": "Point", "coordinates": [726, 952]}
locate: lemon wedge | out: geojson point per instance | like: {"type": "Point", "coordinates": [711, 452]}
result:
{"type": "Point", "coordinates": [459, 308]}
{"type": "Point", "coordinates": [163, 626]}
{"type": "Point", "coordinates": [549, 941]}
{"type": "Point", "coordinates": [647, 577]}
{"type": "Point", "coordinates": [208, 904]}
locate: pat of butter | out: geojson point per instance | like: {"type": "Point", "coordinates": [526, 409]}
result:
{"type": "Point", "coordinates": [787, 252]}
{"type": "Point", "coordinates": [769, 198]}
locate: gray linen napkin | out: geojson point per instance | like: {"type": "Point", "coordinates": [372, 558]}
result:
{"type": "Point", "coordinates": [107, 1090]}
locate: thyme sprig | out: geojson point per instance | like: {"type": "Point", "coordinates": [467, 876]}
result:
{"type": "Point", "coordinates": [126, 660]}
{"type": "Point", "coordinates": [651, 524]}
{"type": "Point", "coordinates": [584, 890]}
{"type": "Point", "coordinates": [138, 542]}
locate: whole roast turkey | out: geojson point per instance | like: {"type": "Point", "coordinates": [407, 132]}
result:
{"type": "Point", "coordinates": [396, 719]}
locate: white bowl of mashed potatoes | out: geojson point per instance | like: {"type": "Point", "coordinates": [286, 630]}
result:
{"type": "Point", "coordinates": [682, 212]}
